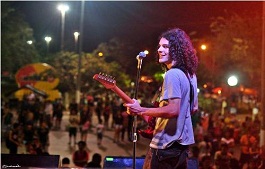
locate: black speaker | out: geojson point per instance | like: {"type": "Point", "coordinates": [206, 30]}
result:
{"type": "Point", "coordinates": [28, 161]}
{"type": "Point", "coordinates": [119, 162]}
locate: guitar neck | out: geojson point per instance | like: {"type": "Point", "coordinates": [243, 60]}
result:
{"type": "Point", "coordinates": [122, 95]}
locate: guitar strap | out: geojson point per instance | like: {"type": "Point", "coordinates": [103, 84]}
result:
{"type": "Point", "coordinates": [154, 100]}
{"type": "Point", "coordinates": [191, 90]}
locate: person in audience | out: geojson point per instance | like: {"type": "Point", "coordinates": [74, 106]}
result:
{"type": "Point", "coordinates": [193, 160]}
{"type": "Point", "coordinates": [117, 127]}
{"type": "Point", "coordinates": [222, 158]}
{"type": "Point", "coordinates": [100, 130]}
{"type": "Point", "coordinates": [262, 157]}
{"type": "Point", "coordinates": [95, 162]}
{"type": "Point", "coordinates": [81, 156]}
{"type": "Point", "coordinates": [206, 162]}
{"type": "Point", "coordinates": [13, 141]}
{"type": "Point", "coordinates": [229, 140]}
{"type": "Point", "coordinates": [65, 163]}
{"type": "Point", "coordinates": [73, 126]}
{"type": "Point", "coordinates": [245, 142]}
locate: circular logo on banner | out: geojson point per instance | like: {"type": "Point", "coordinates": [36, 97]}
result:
{"type": "Point", "coordinates": [38, 75]}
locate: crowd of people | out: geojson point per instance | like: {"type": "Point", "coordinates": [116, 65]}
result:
{"type": "Point", "coordinates": [216, 135]}
{"type": "Point", "coordinates": [28, 123]}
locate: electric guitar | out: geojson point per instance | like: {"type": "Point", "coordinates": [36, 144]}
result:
{"type": "Point", "coordinates": [109, 83]}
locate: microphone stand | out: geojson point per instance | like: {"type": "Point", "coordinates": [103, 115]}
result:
{"type": "Point", "coordinates": [139, 66]}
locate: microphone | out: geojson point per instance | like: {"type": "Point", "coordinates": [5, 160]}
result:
{"type": "Point", "coordinates": [141, 55]}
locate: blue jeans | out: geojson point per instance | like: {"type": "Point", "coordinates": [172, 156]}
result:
{"type": "Point", "coordinates": [174, 157]}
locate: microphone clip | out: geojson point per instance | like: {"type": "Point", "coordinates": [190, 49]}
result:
{"type": "Point", "coordinates": [141, 55]}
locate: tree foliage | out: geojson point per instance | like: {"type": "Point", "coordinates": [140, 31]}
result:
{"type": "Point", "coordinates": [66, 64]}
{"type": "Point", "coordinates": [15, 32]}
{"type": "Point", "coordinates": [236, 46]}
{"type": "Point", "coordinates": [121, 51]}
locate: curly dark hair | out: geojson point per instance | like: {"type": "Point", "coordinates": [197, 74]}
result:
{"type": "Point", "coordinates": [181, 50]}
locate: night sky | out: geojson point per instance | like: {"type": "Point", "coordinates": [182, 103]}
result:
{"type": "Point", "coordinates": [135, 20]}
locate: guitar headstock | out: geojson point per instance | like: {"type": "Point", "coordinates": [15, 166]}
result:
{"type": "Point", "coordinates": [106, 80]}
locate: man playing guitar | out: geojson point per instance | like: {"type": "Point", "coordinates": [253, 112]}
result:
{"type": "Point", "coordinates": [173, 131]}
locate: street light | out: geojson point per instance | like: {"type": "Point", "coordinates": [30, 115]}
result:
{"type": "Point", "coordinates": [48, 40]}
{"type": "Point", "coordinates": [100, 54]}
{"type": "Point", "coordinates": [29, 42]}
{"type": "Point", "coordinates": [208, 61]}
{"type": "Point", "coordinates": [76, 34]}
{"type": "Point", "coordinates": [78, 82]}
{"type": "Point", "coordinates": [232, 81]}
{"type": "Point", "coordinates": [63, 9]}
{"type": "Point", "coordinates": [203, 47]}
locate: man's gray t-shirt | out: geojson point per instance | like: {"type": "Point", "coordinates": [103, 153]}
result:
{"type": "Point", "coordinates": [175, 85]}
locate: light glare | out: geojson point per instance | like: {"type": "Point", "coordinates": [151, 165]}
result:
{"type": "Point", "coordinates": [29, 42]}
{"type": "Point", "coordinates": [203, 47]}
{"type": "Point", "coordinates": [232, 81]}
{"type": "Point", "coordinates": [63, 8]}
{"type": "Point", "coordinates": [48, 39]}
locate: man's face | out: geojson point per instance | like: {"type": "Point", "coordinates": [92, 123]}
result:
{"type": "Point", "coordinates": [163, 51]}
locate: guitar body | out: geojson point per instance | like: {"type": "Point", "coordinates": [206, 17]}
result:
{"type": "Point", "coordinates": [148, 133]}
